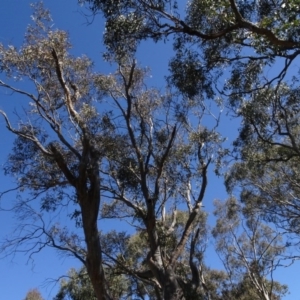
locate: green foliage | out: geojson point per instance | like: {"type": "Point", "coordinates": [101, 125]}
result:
{"type": "Point", "coordinates": [242, 37]}
{"type": "Point", "coordinates": [91, 146]}
{"type": "Point", "coordinates": [131, 155]}
{"type": "Point", "coordinates": [268, 145]}
{"type": "Point", "coordinates": [77, 287]}
{"type": "Point", "coordinates": [242, 40]}
{"type": "Point", "coordinates": [250, 251]}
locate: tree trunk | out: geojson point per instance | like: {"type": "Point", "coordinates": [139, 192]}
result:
{"type": "Point", "coordinates": [89, 200]}
{"type": "Point", "coordinates": [94, 255]}
{"type": "Point", "coordinates": [172, 290]}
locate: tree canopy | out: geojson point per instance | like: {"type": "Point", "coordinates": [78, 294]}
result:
{"type": "Point", "coordinates": [242, 52]}
{"type": "Point", "coordinates": [214, 40]}
{"type": "Point", "coordinates": [108, 147]}
{"type": "Point", "coordinates": [92, 146]}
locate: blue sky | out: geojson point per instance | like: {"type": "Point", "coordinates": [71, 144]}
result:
{"type": "Point", "coordinates": [17, 275]}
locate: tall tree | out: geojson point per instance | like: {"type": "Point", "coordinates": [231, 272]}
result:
{"type": "Point", "coordinates": [251, 43]}
{"type": "Point", "coordinates": [250, 251]}
{"type": "Point", "coordinates": [244, 38]}
{"type": "Point", "coordinates": [243, 50]}
{"type": "Point", "coordinates": [60, 137]}
{"type": "Point", "coordinates": [88, 142]}
{"type": "Point", "coordinates": [268, 149]}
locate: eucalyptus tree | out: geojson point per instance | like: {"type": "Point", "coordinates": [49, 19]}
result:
{"type": "Point", "coordinates": [244, 50]}
{"type": "Point", "coordinates": [212, 39]}
{"type": "Point", "coordinates": [160, 166]}
{"type": "Point", "coordinates": [56, 154]}
{"type": "Point", "coordinates": [91, 146]}
{"type": "Point", "coordinates": [267, 176]}
{"type": "Point", "coordinates": [250, 251]}
{"type": "Point", "coordinates": [77, 286]}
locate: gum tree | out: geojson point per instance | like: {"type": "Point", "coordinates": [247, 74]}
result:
{"type": "Point", "coordinates": [250, 251]}
{"type": "Point", "coordinates": [243, 51]}
{"type": "Point", "coordinates": [268, 146]}
{"type": "Point", "coordinates": [57, 138]}
{"type": "Point", "coordinates": [245, 38]}
{"type": "Point", "coordinates": [106, 146]}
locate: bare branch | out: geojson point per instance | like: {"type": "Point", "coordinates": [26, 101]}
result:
{"type": "Point", "coordinates": [30, 137]}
